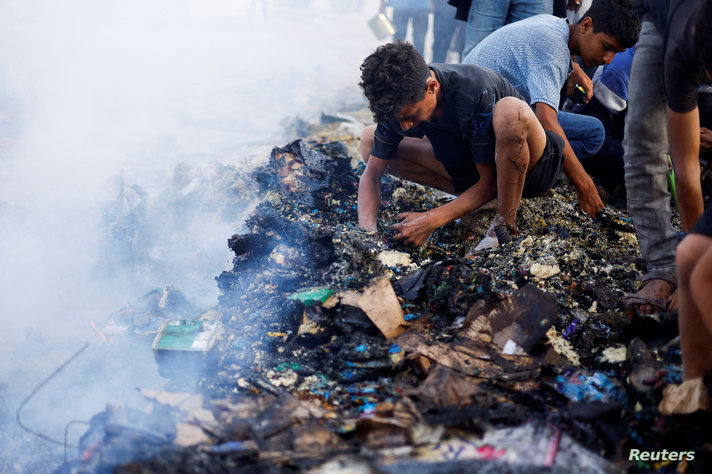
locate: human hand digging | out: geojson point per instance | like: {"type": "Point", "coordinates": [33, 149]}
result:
{"type": "Point", "coordinates": [415, 227]}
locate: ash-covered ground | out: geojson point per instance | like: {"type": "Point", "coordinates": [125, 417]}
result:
{"type": "Point", "coordinates": [344, 351]}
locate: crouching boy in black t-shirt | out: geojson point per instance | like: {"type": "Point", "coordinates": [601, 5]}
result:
{"type": "Point", "coordinates": [460, 128]}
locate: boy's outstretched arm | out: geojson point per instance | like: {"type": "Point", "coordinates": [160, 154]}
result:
{"type": "Point", "coordinates": [416, 227]}
{"type": "Point", "coordinates": [588, 197]}
{"type": "Point", "coordinates": [369, 192]}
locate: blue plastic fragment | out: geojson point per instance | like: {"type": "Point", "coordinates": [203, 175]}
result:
{"type": "Point", "coordinates": [361, 389]}
{"type": "Point", "coordinates": [570, 329]}
{"type": "Point", "coordinates": [673, 375]}
{"type": "Point", "coordinates": [580, 386]}
{"type": "Point", "coordinates": [410, 317]}
{"type": "Point", "coordinates": [228, 447]}
{"type": "Point", "coordinates": [348, 375]}
{"type": "Point", "coordinates": [361, 348]}
{"type": "Point", "coordinates": [394, 349]}
{"type": "Point", "coordinates": [368, 407]}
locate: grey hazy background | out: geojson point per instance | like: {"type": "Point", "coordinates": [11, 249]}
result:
{"type": "Point", "coordinates": [167, 100]}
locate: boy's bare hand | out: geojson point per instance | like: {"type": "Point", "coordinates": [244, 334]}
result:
{"type": "Point", "coordinates": [579, 76]}
{"type": "Point", "coordinates": [415, 227]}
{"type": "Point", "coordinates": [589, 200]}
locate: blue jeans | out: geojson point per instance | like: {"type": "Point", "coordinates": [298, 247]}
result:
{"type": "Point", "coordinates": [645, 160]}
{"type": "Point", "coordinates": [584, 133]}
{"type": "Point", "coordinates": [488, 15]}
{"type": "Point", "coordinates": [445, 26]}
{"type": "Point", "coordinates": [419, 25]}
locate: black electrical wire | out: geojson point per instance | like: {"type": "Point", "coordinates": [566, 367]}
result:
{"type": "Point", "coordinates": [37, 389]}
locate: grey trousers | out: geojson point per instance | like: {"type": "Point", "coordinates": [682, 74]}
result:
{"type": "Point", "coordinates": [646, 146]}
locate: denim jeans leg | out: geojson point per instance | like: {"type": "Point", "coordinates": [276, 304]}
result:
{"type": "Point", "coordinates": [419, 23]}
{"type": "Point", "coordinates": [484, 17]}
{"type": "Point", "coordinates": [521, 9]}
{"type": "Point", "coordinates": [645, 148]}
{"type": "Point", "coordinates": [444, 25]}
{"type": "Point", "coordinates": [400, 23]}
{"type": "Point", "coordinates": [585, 133]}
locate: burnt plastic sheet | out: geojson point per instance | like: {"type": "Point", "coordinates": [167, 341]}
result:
{"type": "Point", "coordinates": [523, 319]}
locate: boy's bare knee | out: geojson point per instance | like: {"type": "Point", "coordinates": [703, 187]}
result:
{"type": "Point", "coordinates": [687, 256]}
{"type": "Point", "coordinates": [367, 139]}
{"type": "Point", "coordinates": [510, 118]}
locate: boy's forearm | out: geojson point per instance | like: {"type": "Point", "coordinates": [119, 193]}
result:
{"type": "Point", "coordinates": [470, 200]}
{"type": "Point", "coordinates": [369, 200]}
{"type": "Point", "coordinates": [589, 199]}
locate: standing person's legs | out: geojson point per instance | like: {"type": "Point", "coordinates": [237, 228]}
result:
{"type": "Point", "coordinates": [521, 9]}
{"type": "Point", "coordinates": [485, 16]}
{"type": "Point", "coordinates": [400, 23]}
{"type": "Point", "coordinates": [419, 23]}
{"type": "Point", "coordinates": [646, 170]}
{"type": "Point", "coordinates": [444, 25]}
{"type": "Point", "coordinates": [460, 39]}
{"type": "Point", "coordinates": [584, 132]}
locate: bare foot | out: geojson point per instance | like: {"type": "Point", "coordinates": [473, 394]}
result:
{"type": "Point", "coordinates": [654, 296]}
{"type": "Point", "coordinates": [672, 301]}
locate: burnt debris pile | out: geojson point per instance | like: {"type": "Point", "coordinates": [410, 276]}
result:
{"type": "Point", "coordinates": [345, 350]}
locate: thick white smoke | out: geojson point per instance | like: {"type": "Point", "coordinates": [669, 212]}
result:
{"type": "Point", "coordinates": [167, 100]}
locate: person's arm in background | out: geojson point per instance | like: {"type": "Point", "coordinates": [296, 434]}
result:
{"type": "Point", "coordinates": [578, 76]}
{"type": "Point", "coordinates": [684, 129]}
{"type": "Point", "coordinates": [369, 193]}
{"type": "Point", "coordinates": [586, 191]}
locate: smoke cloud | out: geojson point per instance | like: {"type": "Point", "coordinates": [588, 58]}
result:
{"type": "Point", "coordinates": [126, 129]}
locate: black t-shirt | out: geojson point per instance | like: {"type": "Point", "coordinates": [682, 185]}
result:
{"type": "Point", "coordinates": [464, 130]}
{"type": "Point", "coordinates": [684, 73]}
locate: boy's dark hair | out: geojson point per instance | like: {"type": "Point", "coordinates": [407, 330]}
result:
{"type": "Point", "coordinates": [703, 34]}
{"type": "Point", "coordinates": [615, 18]}
{"type": "Point", "coordinates": [392, 77]}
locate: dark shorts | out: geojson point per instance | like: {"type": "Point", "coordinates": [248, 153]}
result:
{"type": "Point", "coordinates": [540, 180]}
{"type": "Point", "coordinates": [546, 172]}
{"type": "Point", "coordinates": [463, 172]}
{"type": "Point", "coordinates": [704, 225]}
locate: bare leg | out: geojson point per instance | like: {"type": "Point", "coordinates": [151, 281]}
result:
{"type": "Point", "coordinates": [414, 161]}
{"type": "Point", "coordinates": [520, 143]}
{"type": "Point", "coordinates": [519, 146]}
{"type": "Point", "coordinates": [694, 264]}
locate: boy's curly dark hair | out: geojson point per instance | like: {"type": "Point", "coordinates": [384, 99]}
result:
{"type": "Point", "coordinates": [703, 34]}
{"type": "Point", "coordinates": [392, 77]}
{"type": "Point", "coordinates": [615, 18]}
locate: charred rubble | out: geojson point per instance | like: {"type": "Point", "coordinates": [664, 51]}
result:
{"type": "Point", "coordinates": [346, 350]}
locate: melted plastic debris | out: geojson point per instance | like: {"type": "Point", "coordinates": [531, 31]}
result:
{"type": "Point", "coordinates": [333, 393]}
